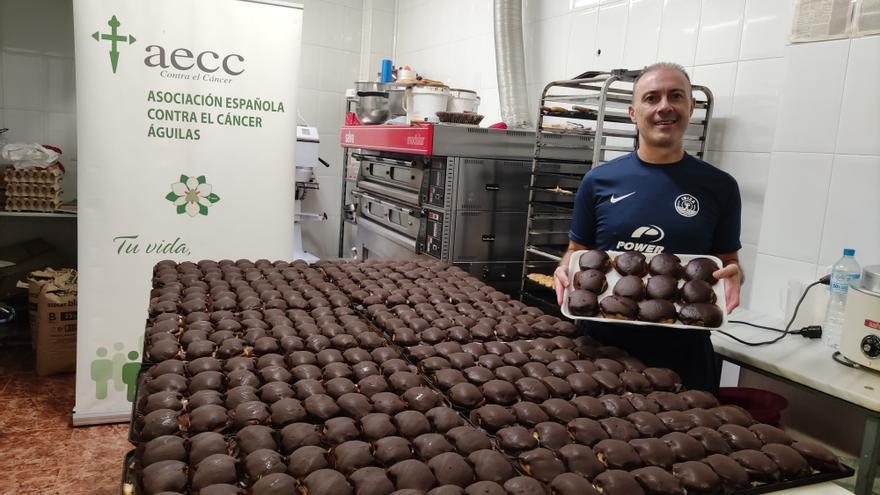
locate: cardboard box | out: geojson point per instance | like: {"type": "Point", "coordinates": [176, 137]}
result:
{"type": "Point", "coordinates": [52, 315]}
{"type": "Point", "coordinates": [19, 260]}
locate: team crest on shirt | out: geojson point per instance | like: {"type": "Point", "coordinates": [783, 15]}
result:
{"type": "Point", "coordinates": [687, 205]}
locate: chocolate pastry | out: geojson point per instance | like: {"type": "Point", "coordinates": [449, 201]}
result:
{"type": "Point", "coordinates": [490, 465]}
{"type": "Point", "coordinates": [697, 291]}
{"type": "Point", "coordinates": [582, 302]}
{"type": "Point", "coordinates": [535, 369]}
{"type": "Point", "coordinates": [239, 363]}
{"type": "Point", "coordinates": [559, 410]}
{"type": "Point", "coordinates": [430, 445]}
{"type": "Point", "coordinates": [733, 476]}
{"type": "Point", "coordinates": [616, 405]}
{"type": "Point", "coordinates": [421, 398]}
{"type": "Point", "coordinates": [275, 391]}
{"type": "Point", "coordinates": [274, 484]}
{"type": "Point", "coordinates": [524, 485]}
{"type": "Point", "coordinates": [164, 448]}
{"type": "Point", "coordinates": [657, 311]}
{"type": "Point", "coordinates": [701, 269]}
{"type": "Point", "coordinates": [531, 389]}
{"type": "Point", "coordinates": [478, 488]}
{"type": "Point", "coordinates": [609, 381]}
{"type": "Point", "coordinates": [667, 401]}
{"type": "Point", "coordinates": [515, 358]}
{"type": "Point", "coordinates": [590, 407]}
{"type": "Point", "coordinates": [327, 482]}
{"type": "Point", "coordinates": [710, 439]}
{"type": "Point", "coordinates": [371, 385]}
{"type": "Point", "coordinates": [306, 371]}
{"type": "Point", "coordinates": [250, 413]}
{"type": "Point", "coordinates": [361, 370]}
{"type": "Point", "coordinates": [665, 264]}
{"type": "Point", "coordinates": [161, 400]}
{"type": "Point", "coordinates": [733, 414]}
{"type": "Point", "coordinates": [164, 476]}
{"type": "Point", "coordinates": [676, 420]}
{"type": "Point", "coordinates": [341, 370]}
{"type": "Point", "coordinates": [241, 394]}
{"type": "Point", "coordinates": [461, 360]}
{"type": "Point", "coordinates": [617, 454]}
{"type": "Point", "coordinates": [160, 422]}
{"type": "Point", "coordinates": [412, 474]}
{"type": "Point", "coordinates": [631, 263]}
{"type": "Point", "coordinates": [582, 384]}
{"type": "Point", "coordinates": [377, 425]}
{"type": "Point", "coordinates": [444, 418]}
{"type": "Point", "coordinates": [757, 464]}
{"type": "Point", "coordinates": [468, 439]}
{"type": "Point", "coordinates": [770, 434]}
{"type": "Point", "coordinates": [739, 437]}
{"type": "Point", "coordinates": [321, 406]}
{"type": "Point", "coordinates": [585, 365]}
{"type": "Point", "coordinates": [262, 462]}
{"type": "Point", "coordinates": [664, 379]}
{"type": "Point", "coordinates": [478, 374]}
{"type": "Point", "coordinates": [516, 438]}
{"type": "Point", "coordinates": [699, 399]}
{"type": "Point", "coordinates": [163, 350]}
{"type": "Point", "coordinates": [571, 484]}
{"type": "Point", "coordinates": [466, 395]}
{"type": "Point", "coordinates": [617, 482]}
{"type": "Point", "coordinates": [642, 403]}
{"type": "Point", "coordinates": [653, 452]}
{"type": "Point", "coordinates": [411, 424]}
{"type": "Point", "coordinates": [451, 469]}
{"type": "Point", "coordinates": [490, 361]}
{"type": "Point", "coordinates": [558, 387]}
{"type": "Point", "coordinates": [305, 460]}
{"type": "Point", "coordinates": [701, 315]}
{"type": "Point", "coordinates": [405, 380]}
{"type": "Point", "coordinates": [508, 373]}
{"type": "Point", "coordinates": [251, 438]}
{"type": "Point", "coordinates": [684, 446]}
{"type": "Point", "coordinates": [590, 280]}
{"type": "Point", "coordinates": [561, 369]}
{"type": "Point", "coordinates": [168, 383]}
{"type": "Point", "coordinates": [391, 450]}
{"type": "Point", "coordinates": [791, 464]}
{"type": "Point", "coordinates": [220, 489]}
{"type": "Point", "coordinates": [371, 481]}
{"type": "Point", "coordinates": [697, 478]}
{"type": "Point", "coordinates": [296, 435]}
{"type": "Point", "coordinates": [388, 403]}
{"type": "Point", "coordinates": [500, 392]}
{"type": "Point", "coordinates": [529, 413]}
{"type": "Point", "coordinates": [631, 287]}
{"type": "Point", "coordinates": [354, 405]}
{"type": "Point", "coordinates": [352, 455]}
{"type": "Point", "coordinates": [635, 382]}
{"type": "Point", "coordinates": [541, 464]}
{"type": "Point", "coordinates": [658, 481]}
{"type": "Point", "coordinates": [340, 430]}
{"type": "Point", "coordinates": [581, 459]}
{"type": "Point", "coordinates": [595, 260]}
{"type": "Point", "coordinates": [647, 424]}
{"type": "Point", "coordinates": [618, 308]}
{"type": "Point", "coordinates": [819, 457]}
{"type": "Point", "coordinates": [702, 417]}
{"type": "Point", "coordinates": [216, 468]}
{"type": "Point", "coordinates": [338, 387]}
{"type": "Point", "coordinates": [205, 444]}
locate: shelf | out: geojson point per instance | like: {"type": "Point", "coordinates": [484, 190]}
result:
{"type": "Point", "coordinates": [557, 205]}
{"type": "Point", "coordinates": [542, 251]}
{"type": "Point", "coordinates": [35, 214]}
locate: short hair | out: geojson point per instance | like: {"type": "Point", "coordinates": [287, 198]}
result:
{"type": "Point", "coordinates": [663, 66]}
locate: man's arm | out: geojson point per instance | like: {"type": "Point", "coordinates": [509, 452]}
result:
{"type": "Point", "coordinates": [560, 276]}
{"type": "Point", "coordinates": [733, 277]}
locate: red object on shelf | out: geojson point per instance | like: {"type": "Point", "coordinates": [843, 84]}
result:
{"type": "Point", "coordinates": [416, 139]}
{"type": "Point", "coordinates": [764, 406]}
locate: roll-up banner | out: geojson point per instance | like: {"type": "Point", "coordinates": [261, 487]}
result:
{"type": "Point", "coordinates": [186, 125]}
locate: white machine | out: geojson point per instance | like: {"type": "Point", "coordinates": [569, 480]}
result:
{"type": "Point", "coordinates": [860, 341]}
{"type": "Point", "coordinates": [306, 158]}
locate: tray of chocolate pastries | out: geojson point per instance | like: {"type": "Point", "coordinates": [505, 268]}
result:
{"type": "Point", "coordinates": [660, 289]}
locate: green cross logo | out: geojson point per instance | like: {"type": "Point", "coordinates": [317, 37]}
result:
{"type": "Point", "coordinates": [113, 37]}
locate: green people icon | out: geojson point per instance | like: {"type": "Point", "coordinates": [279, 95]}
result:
{"type": "Point", "coordinates": [101, 373]}
{"type": "Point", "coordinates": [129, 374]}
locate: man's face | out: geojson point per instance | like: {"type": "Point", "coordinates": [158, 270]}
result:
{"type": "Point", "coordinates": [662, 106]}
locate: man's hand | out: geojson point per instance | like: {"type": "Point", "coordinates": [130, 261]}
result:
{"type": "Point", "coordinates": [560, 282]}
{"type": "Point", "coordinates": [731, 276]}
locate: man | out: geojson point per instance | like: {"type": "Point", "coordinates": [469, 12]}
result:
{"type": "Point", "coordinates": [658, 199]}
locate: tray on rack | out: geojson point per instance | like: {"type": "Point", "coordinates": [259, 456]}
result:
{"type": "Point", "coordinates": [612, 276]}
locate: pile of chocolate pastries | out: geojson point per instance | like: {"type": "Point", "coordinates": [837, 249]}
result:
{"type": "Point", "coordinates": [637, 296]}
{"type": "Point", "coordinates": [411, 378]}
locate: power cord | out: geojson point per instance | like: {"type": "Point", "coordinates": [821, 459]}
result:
{"type": "Point", "coordinates": [809, 332]}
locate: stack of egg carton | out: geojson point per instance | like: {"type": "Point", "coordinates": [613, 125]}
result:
{"type": "Point", "coordinates": [34, 189]}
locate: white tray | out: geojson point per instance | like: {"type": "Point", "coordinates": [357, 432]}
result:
{"type": "Point", "coordinates": [612, 277]}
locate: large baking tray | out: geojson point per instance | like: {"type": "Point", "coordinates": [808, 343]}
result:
{"type": "Point", "coordinates": [612, 277]}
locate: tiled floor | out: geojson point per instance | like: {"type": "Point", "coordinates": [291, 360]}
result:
{"type": "Point", "coordinates": [40, 453]}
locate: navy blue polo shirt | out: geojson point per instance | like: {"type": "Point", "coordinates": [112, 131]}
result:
{"type": "Point", "coordinates": [687, 207]}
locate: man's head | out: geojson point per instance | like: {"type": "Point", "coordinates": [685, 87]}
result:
{"type": "Point", "coordinates": [662, 105]}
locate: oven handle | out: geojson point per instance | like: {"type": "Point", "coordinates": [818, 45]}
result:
{"type": "Point", "coordinates": [381, 159]}
{"type": "Point", "coordinates": [408, 211]}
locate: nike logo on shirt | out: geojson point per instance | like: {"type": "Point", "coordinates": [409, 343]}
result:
{"type": "Point", "coordinates": [615, 199]}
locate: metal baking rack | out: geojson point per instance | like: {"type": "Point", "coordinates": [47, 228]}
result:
{"type": "Point", "coordinates": [594, 106]}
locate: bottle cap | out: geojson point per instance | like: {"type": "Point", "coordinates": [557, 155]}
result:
{"type": "Point", "coordinates": [849, 252]}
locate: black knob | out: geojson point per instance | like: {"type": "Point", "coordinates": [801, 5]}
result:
{"type": "Point", "coordinates": [871, 346]}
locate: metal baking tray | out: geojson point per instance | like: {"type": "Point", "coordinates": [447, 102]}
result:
{"type": "Point", "coordinates": [612, 277]}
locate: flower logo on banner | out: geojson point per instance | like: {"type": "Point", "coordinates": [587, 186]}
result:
{"type": "Point", "coordinates": [192, 195]}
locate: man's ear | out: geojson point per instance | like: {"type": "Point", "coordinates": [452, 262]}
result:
{"type": "Point", "coordinates": [632, 113]}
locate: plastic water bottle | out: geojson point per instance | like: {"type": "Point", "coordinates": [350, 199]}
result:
{"type": "Point", "coordinates": [844, 270]}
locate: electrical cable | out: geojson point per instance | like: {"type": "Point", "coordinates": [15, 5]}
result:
{"type": "Point", "coordinates": [840, 358]}
{"type": "Point", "coordinates": [812, 331]}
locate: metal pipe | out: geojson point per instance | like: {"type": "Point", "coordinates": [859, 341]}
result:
{"type": "Point", "coordinates": [510, 64]}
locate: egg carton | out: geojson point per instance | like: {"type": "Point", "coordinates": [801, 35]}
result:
{"type": "Point", "coordinates": [51, 175]}
{"type": "Point", "coordinates": [33, 190]}
{"type": "Point", "coordinates": [40, 205]}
